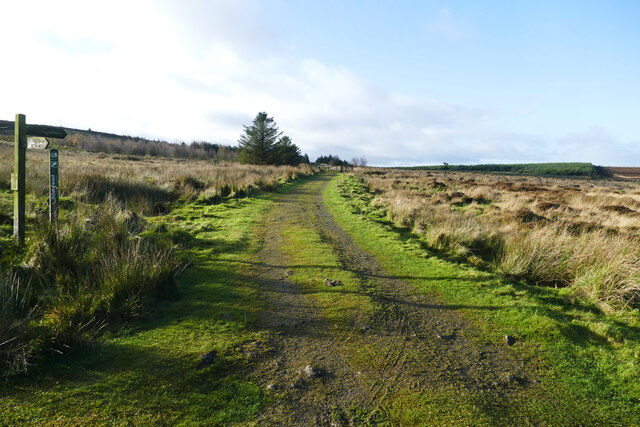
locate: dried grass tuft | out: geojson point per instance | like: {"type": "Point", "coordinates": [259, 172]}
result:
{"type": "Point", "coordinates": [550, 232]}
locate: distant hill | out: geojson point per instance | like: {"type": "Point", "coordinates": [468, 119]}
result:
{"type": "Point", "coordinates": [111, 143]}
{"type": "Point", "coordinates": [89, 140]}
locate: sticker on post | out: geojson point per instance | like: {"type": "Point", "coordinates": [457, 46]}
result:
{"type": "Point", "coordinates": [37, 143]}
{"type": "Point", "coordinates": [54, 180]}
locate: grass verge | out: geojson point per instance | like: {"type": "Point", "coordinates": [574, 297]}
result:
{"type": "Point", "coordinates": [94, 269]}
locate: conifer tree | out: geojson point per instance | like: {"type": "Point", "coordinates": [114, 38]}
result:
{"type": "Point", "coordinates": [287, 152]}
{"type": "Point", "coordinates": [258, 143]}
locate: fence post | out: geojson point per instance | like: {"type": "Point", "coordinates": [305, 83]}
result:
{"type": "Point", "coordinates": [18, 179]}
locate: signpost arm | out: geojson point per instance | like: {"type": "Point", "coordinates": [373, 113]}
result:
{"type": "Point", "coordinates": [18, 180]}
{"type": "Point", "coordinates": [34, 130]}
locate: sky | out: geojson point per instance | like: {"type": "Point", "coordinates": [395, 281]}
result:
{"type": "Point", "coordinates": [400, 82]}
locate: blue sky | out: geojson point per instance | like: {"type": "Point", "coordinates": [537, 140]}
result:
{"type": "Point", "coordinates": [400, 82]}
{"type": "Point", "coordinates": [566, 61]}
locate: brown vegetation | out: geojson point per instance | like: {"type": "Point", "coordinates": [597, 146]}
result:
{"type": "Point", "coordinates": [117, 144]}
{"type": "Point", "coordinates": [556, 232]}
{"type": "Point", "coordinates": [145, 184]}
{"type": "Point", "coordinates": [622, 172]}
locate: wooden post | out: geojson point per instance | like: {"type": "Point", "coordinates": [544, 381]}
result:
{"type": "Point", "coordinates": [18, 180]}
{"type": "Point", "coordinates": [18, 177]}
{"type": "Point", "coordinates": [54, 185]}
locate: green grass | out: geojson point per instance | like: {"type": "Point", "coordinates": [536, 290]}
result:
{"type": "Point", "coordinates": [146, 373]}
{"type": "Point", "coordinates": [314, 260]}
{"type": "Point", "coordinates": [556, 169]}
{"type": "Point", "coordinates": [590, 359]}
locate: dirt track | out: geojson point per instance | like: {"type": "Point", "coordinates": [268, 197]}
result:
{"type": "Point", "coordinates": [424, 347]}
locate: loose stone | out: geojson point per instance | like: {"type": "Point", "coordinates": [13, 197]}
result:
{"type": "Point", "coordinates": [312, 372]}
{"type": "Point", "coordinates": [331, 283]}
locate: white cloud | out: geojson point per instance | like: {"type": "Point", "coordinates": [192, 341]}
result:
{"type": "Point", "coordinates": [598, 146]}
{"type": "Point", "coordinates": [201, 69]}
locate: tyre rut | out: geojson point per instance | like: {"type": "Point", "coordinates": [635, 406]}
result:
{"type": "Point", "coordinates": [426, 346]}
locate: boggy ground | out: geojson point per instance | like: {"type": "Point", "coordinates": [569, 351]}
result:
{"type": "Point", "coordinates": [392, 344]}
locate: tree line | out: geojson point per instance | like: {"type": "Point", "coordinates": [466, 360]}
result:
{"type": "Point", "coordinates": [261, 143]}
{"type": "Point", "coordinates": [563, 169]}
{"type": "Point", "coordinates": [136, 146]}
{"type": "Point", "coordinates": [332, 160]}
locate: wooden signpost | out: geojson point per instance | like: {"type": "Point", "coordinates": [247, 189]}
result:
{"type": "Point", "coordinates": [18, 177]}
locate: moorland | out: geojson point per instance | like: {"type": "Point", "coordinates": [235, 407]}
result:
{"type": "Point", "coordinates": [201, 291]}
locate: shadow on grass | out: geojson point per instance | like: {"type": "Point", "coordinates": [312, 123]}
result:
{"type": "Point", "coordinates": [285, 268]}
{"type": "Point", "coordinates": [139, 371]}
{"type": "Point", "coordinates": [119, 381]}
{"type": "Point", "coordinates": [547, 302]}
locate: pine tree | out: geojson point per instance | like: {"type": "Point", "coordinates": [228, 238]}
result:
{"type": "Point", "coordinates": [287, 152]}
{"type": "Point", "coordinates": [258, 144]}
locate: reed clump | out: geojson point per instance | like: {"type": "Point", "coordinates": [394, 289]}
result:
{"type": "Point", "coordinates": [69, 282]}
